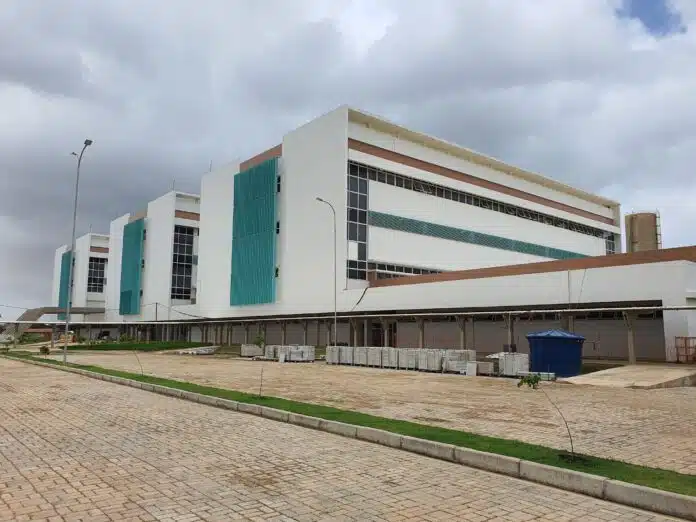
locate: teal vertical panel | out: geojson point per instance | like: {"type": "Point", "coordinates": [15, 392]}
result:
{"type": "Point", "coordinates": [64, 284]}
{"type": "Point", "coordinates": [423, 228]}
{"type": "Point", "coordinates": [254, 235]}
{"type": "Point", "coordinates": [131, 267]}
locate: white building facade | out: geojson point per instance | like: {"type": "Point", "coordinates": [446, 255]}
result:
{"type": "Point", "coordinates": [153, 258]}
{"type": "Point", "coordinates": [89, 279]}
{"type": "Point", "coordinates": [421, 226]}
{"type": "Point", "coordinates": [405, 204]}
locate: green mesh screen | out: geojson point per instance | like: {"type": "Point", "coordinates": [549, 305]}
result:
{"type": "Point", "coordinates": [254, 235]}
{"type": "Point", "coordinates": [414, 226]}
{"type": "Point", "coordinates": [131, 267]}
{"type": "Point", "coordinates": [64, 284]}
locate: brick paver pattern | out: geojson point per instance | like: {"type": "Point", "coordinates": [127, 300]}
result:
{"type": "Point", "coordinates": [655, 428]}
{"type": "Point", "coordinates": [77, 449]}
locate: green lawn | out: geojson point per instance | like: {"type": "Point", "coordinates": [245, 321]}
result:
{"type": "Point", "coordinates": [651, 477]}
{"type": "Point", "coordinates": [155, 346]}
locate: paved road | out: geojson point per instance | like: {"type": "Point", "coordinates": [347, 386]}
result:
{"type": "Point", "coordinates": [655, 428]}
{"type": "Point", "coordinates": [74, 448]}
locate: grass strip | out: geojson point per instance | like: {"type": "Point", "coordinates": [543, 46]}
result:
{"type": "Point", "coordinates": [662, 479]}
{"type": "Point", "coordinates": [140, 347]}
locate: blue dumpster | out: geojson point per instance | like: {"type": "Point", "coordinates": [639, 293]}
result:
{"type": "Point", "coordinates": [555, 351]}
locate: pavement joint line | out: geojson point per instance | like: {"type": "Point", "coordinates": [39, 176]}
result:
{"type": "Point", "coordinates": [596, 486]}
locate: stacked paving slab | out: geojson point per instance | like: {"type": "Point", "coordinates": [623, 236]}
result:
{"type": "Point", "coordinates": [429, 360]}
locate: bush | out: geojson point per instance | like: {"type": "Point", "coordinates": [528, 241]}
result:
{"type": "Point", "coordinates": [44, 350]}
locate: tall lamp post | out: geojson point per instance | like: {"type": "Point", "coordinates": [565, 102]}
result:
{"type": "Point", "coordinates": [68, 305]}
{"type": "Point", "coordinates": [335, 278]}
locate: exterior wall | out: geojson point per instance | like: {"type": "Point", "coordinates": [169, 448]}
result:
{"type": "Point", "coordinates": [406, 170]}
{"type": "Point", "coordinates": [667, 282]}
{"type": "Point", "coordinates": [157, 276]}
{"type": "Point", "coordinates": [386, 141]}
{"type": "Point", "coordinates": [113, 268]}
{"type": "Point", "coordinates": [605, 338]}
{"type": "Point", "coordinates": [402, 248]}
{"type": "Point", "coordinates": [313, 165]}
{"type": "Point", "coordinates": [413, 205]}
{"type": "Point", "coordinates": [215, 241]}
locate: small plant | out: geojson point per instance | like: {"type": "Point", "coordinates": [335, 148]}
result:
{"type": "Point", "coordinates": [44, 350]}
{"type": "Point", "coordinates": [532, 381]}
{"type": "Point", "coordinates": [260, 341]}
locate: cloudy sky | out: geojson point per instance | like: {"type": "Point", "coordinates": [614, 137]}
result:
{"type": "Point", "coordinates": [594, 93]}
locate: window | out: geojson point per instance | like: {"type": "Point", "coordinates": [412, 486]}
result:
{"type": "Point", "coordinates": [357, 218]}
{"type": "Point", "coordinates": [278, 184]}
{"type": "Point", "coordinates": [358, 174]}
{"type": "Point", "coordinates": [96, 274]}
{"type": "Point", "coordinates": [182, 263]}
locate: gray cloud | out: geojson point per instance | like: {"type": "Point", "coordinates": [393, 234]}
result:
{"type": "Point", "coordinates": [565, 88]}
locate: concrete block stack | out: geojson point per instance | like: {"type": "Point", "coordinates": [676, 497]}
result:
{"type": "Point", "coordinates": [252, 350]}
{"type": "Point", "coordinates": [408, 359]}
{"type": "Point", "coordinates": [296, 353]}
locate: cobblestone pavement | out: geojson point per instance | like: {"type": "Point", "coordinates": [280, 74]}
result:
{"type": "Point", "coordinates": [77, 449]}
{"type": "Point", "coordinates": [654, 428]}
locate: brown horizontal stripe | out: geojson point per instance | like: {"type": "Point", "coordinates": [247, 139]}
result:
{"type": "Point", "coordinates": [138, 215]}
{"type": "Point", "coordinates": [103, 250]}
{"type": "Point", "coordinates": [396, 157]}
{"type": "Point", "coordinates": [273, 152]}
{"type": "Point", "coordinates": [634, 258]}
{"type": "Point", "coordinates": [193, 216]}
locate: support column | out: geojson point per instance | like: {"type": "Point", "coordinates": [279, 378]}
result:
{"type": "Point", "coordinates": [246, 333]}
{"type": "Point", "coordinates": [351, 332]}
{"type": "Point", "coordinates": [471, 339]}
{"type": "Point", "coordinates": [319, 332]}
{"type": "Point", "coordinates": [568, 322]}
{"type": "Point", "coordinates": [629, 320]}
{"type": "Point", "coordinates": [385, 332]}
{"type": "Point", "coordinates": [284, 333]}
{"type": "Point", "coordinates": [510, 322]}
{"type": "Point", "coordinates": [328, 334]}
{"type": "Point", "coordinates": [304, 332]}
{"type": "Point", "coordinates": [367, 332]}
{"type": "Point", "coordinates": [461, 322]}
{"type": "Point", "coordinates": [262, 330]}
{"type": "Point", "coordinates": [230, 334]}
{"type": "Point", "coordinates": [53, 337]}
{"type": "Point", "coordinates": [421, 333]}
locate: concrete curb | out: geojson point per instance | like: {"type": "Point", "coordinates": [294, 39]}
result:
{"type": "Point", "coordinates": [641, 497]}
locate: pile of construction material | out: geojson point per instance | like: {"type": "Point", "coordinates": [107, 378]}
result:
{"type": "Point", "coordinates": [428, 360]}
{"type": "Point", "coordinates": [252, 350]}
{"type": "Point", "coordinates": [511, 364]}
{"type": "Point", "coordinates": [289, 353]}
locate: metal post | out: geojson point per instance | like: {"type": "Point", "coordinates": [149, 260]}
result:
{"type": "Point", "coordinates": [335, 278]}
{"type": "Point", "coordinates": [68, 305]}
{"type": "Point", "coordinates": [421, 333]}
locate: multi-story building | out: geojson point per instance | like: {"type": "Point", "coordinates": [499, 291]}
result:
{"type": "Point", "coordinates": [354, 215]}
{"type": "Point", "coordinates": [405, 204]}
{"type": "Point", "coordinates": [89, 275]}
{"type": "Point", "coordinates": [153, 260]}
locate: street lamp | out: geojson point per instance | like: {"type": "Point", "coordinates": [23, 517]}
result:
{"type": "Point", "coordinates": [333, 211]}
{"type": "Point", "coordinates": [68, 305]}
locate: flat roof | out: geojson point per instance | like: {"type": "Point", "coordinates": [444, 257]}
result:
{"type": "Point", "coordinates": [382, 125]}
